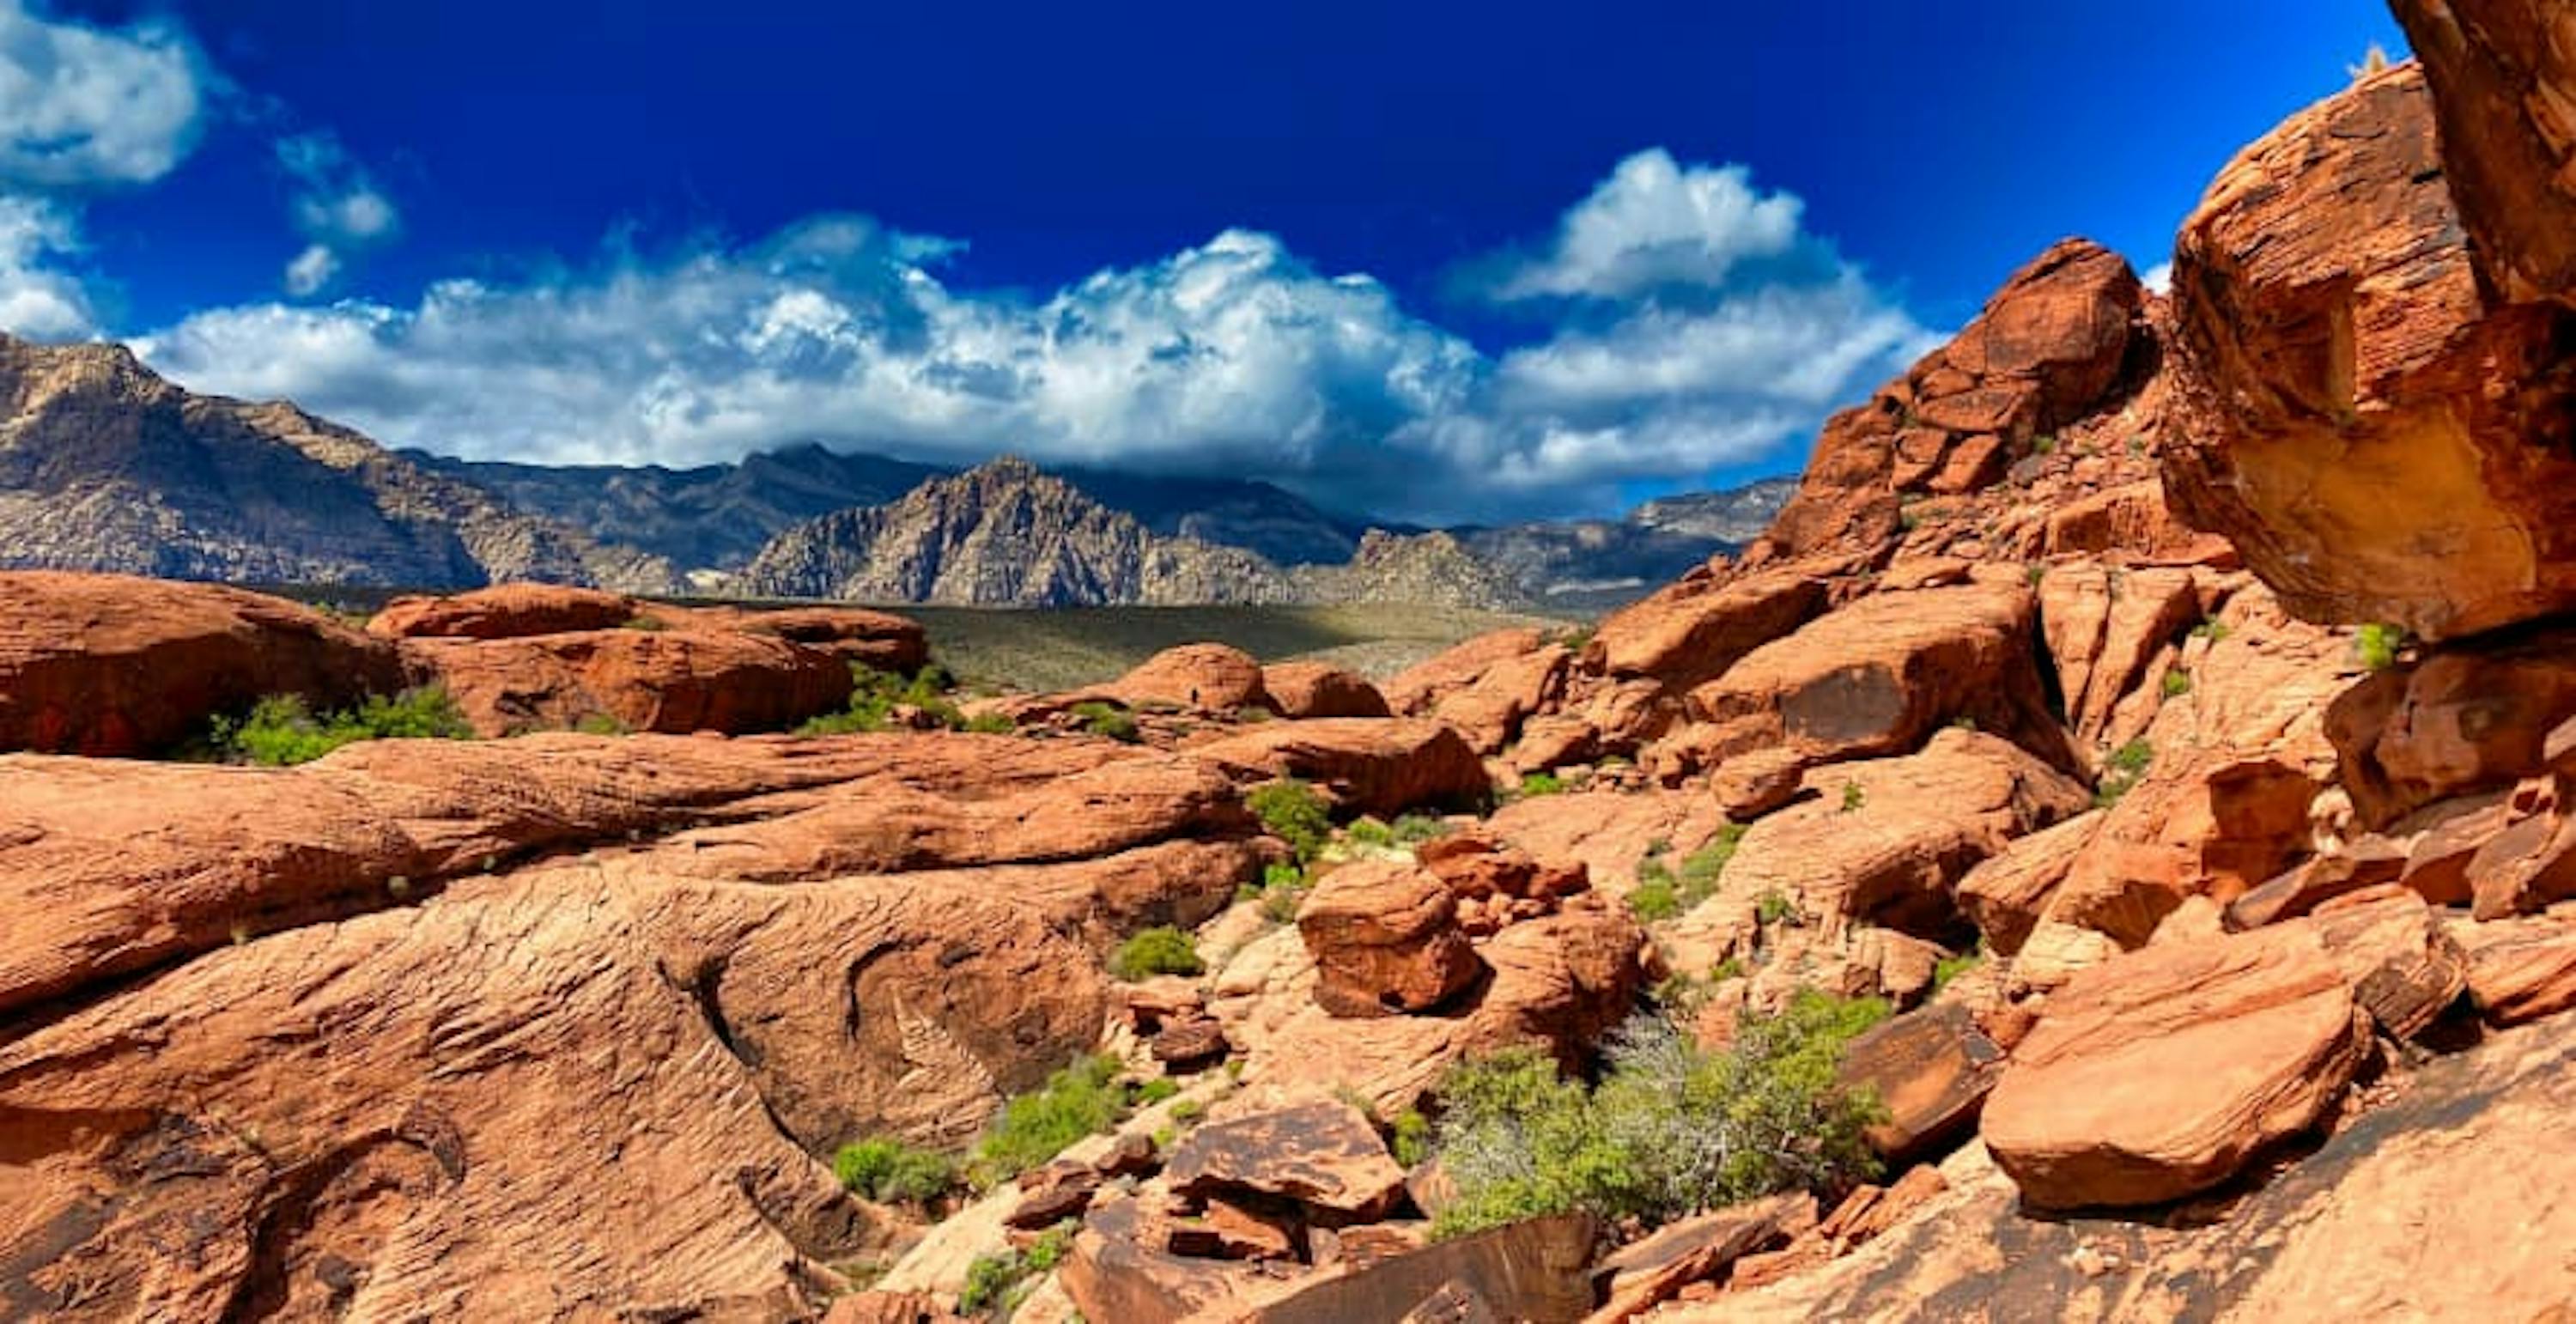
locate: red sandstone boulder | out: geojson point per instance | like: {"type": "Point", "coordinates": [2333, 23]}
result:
{"type": "Point", "coordinates": [1316, 689]}
{"type": "Point", "coordinates": [1199, 677]}
{"type": "Point", "coordinates": [876, 639]}
{"type": "Point", "coordinates": [1386, 940]}
{"type": "Point", "coordinates": [504, 611]}
{"type": "Point", "coordinates": [1321, 1154]}
{"type": "Point", "coordinates": [2504, 78]}
{"type": "Point", "coordinates": [112, 665]}
{"type": "Point", "coordinates": [1931, 1070]}
{"type": "Point", "coordinates": [1692, 631]}
{"type": "Point", "coordinates": [1370, 765]}
{"type": "Point", "coordinates": [2161, 1073]}
{"type": "Point", "coordinates": [670, 681]}
{"type": "Point", "coordinates": [2467, 717]}
{"type": "Point", "coordinates": [2008, 893]}
{"type": "Point", "coordinates": [1877, 677]}
{"type": "Point", "coordinates": [2379, 441]}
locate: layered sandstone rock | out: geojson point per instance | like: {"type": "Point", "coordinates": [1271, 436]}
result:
{"type": "Point", "coordinates": [672, 681]}
{"type": "Point", "coordinates": [2163, 1072]}
{"type": "Point", "coordinates": [1199, 677]}
{"type": "Point", "coordinates": [107, 665]}
{"type": "Point", "coordinates": [1316, 689]}
{"type": "Point", "coordinates": [2503, 74]}
{"type": "Point", "coordinates": [2379, 440]}
{"type": "Point", "coordinates": [1369, 765]}
{"type": "Point", "coordinates": [1386, 940]}
{"type": "Point", "coordinates": [504, 611]}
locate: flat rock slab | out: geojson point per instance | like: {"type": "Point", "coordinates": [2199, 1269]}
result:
{"type": "Point", "coordinates": [2161, 1073]}
{"type": "Point", "coordinates": [1321, 1154]}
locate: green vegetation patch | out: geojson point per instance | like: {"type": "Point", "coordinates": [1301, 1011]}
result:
{"type": "Point", "coordinates": [1670, 1129]}
{"type": "Point", "coordinates": [999, 1282]}
{"type": "Point", "coordinates": [1291, 811]}
{"type": "Point", "coordinates": [1161, 950]}
{"type": "Point", "coordinates": [889, 1171]}
{"type": "Point", "coordinates": [283, 729]}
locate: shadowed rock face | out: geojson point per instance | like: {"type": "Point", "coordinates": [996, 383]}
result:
{"type": "Point", "coordinates": [2504, 90]}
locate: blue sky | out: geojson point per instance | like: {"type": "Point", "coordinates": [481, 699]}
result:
{"type": "Point", "coordinates": [1441, 261]}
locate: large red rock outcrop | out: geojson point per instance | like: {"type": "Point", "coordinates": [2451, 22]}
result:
{"type": "Point", "coordinates": [2161, 1073]}
{"type": "Point", "coordinates": [672, 681]}
{"type": "Point", "coordinates": [2051, 346]}
{"type": "Point", "coordinates": [1370, 765]}
{"type": "Point", "coordinates": [503, 611]}
{"type": "Point", "coordinates": [1199, 677]}
{"type": "Point", "coordinates": [2379, 440]}
{"type": "Point", "coordinates": [1876, 678]}
{"type": "Point", "coordinates": [1318, 689]}
{"type": "Point", "coordinates": [2504, 91]}
{"type": "Point", "coordinates": [1486, 686]}
{"type": "Point", "coordinates": [113, 665]}
{"type": "Point", "coordinates": [877, 639]}
{"type": "Point", "coordinates": [1386, 940]}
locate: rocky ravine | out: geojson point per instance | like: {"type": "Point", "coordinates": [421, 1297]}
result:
{"type": "Point", "coordinates": [2058, 653]}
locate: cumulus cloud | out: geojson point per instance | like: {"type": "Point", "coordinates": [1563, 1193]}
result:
{"type": "Point", "coordinates": [337, 207]}
{"type": "Point", "coordinates": [37, 300]}
{"type": "Point", "coordinates": [1655, 224]}
{"type": "Point", "coordinates": [1232, 357]}
{"type": "Point", "coordinates": [83, 107]}
{"type": "Point", "coordinates": [2159, 278]}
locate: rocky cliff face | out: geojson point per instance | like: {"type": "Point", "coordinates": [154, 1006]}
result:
{"type": "Point", "coordinates": [105, 466]}
{"type": "Point", "coordinates": [1007, 534]}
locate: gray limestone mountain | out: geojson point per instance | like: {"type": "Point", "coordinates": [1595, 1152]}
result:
{"type": "Point", "coordinates": [1007, 534]}
{"type": "Point", "coordinates": [106, 466]}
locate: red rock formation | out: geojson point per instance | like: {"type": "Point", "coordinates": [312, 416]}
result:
{"type": "Point", "coordinates": [2378, 439]}
{"type": "Point", "coordinates": [504, 611]}
{"type": "Point", "coordinates": [2504, 91]}
{"type": "Point", "coordinates": [1369, 765]}
{"type": "Point", "coordinates": [1386, 940]}
{"type": "Point", "coordinates": [675, 681]}
{"type": "Point", "coordinates": [112, 665]}
{"type": "Point", "coordinates": [1315, 689]}
{"type": "Point", "coordinates": [1199, 677]}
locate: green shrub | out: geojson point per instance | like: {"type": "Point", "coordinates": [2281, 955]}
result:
{"type": "Point", "coordinates": [2212, 629]}
{"type": "Point", "coordinates": [1412, 1137]}
{"type": "Point", "coordinates": [998, 1282]}
{"type": "Point", "coordinates": [1283, 890]}
{"type": "Point", "coordinates": [1107, 719]}
{"type": "Point", "coordinates": [1670, 1129]}
{"type": "Point", "coordinates": [2043, 444]}
{"type": "Point", "coordinates": [1951, 967]}
{"type": "Point", "coordinates": [1415, 829]}
{"type": "Point", "coordinates": [1161, 950]}
{"type": "Point", "coordinates": [2177, 683]}
{"type": "Point", "coordinates": [874, 695]}
{"type": "Point", "coordinates": [1188, 1111]}
{"type": "Point", "coordinates": [888, 1171]}
{"type": "Point", "coordinates": [1657, 895]}
{"type": "Point", "coordinates": [1082, 1099]}
{"type": "Point", "coordinates": [1291, 811]}
{"type": "Point", "coordinates": [1369, 831]}
{"type": "Point", "coordinates": [602, 724]}
{"type": "Point", "coordinates": [2378, 645]}
{"type": "Point", "coordinates": [2122, 771]}
{"type": "Point", "coordinates": [990, 724]}
{"type": "Point", "coordinates": [1773, 908]}
{"type": "Point", "coordinates": [283, 729]}
{"type": "Point", "coordinates": [1156, 1090]}
{"type": "Point", "coordinates": [1730, 968]}
{"type": "Point", "coordinates": [1702, 868]}
{"type": "Point", "coordinates": [1253, 712]}
{"type": "Point", "coordinates": [1540, 783]}
{"type": "Point", "coordinates": [1853, 797]}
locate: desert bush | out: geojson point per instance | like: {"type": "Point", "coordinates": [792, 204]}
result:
{"type": "Point", "coordinates": [887, 1170]}
{"type": "Point", "coordinates": [1080, 1100]}
{"type": "Point", "coordinates": [998, 1282]}
{"type": "Point", "coordinates": [1670, 1129]}
{"type": "Point", "coordinates": [1291, 811]}
{"type": "Point", "coordinates": [2122, 771]}
{"type": "Point", "coordinates": [283, 729]}
{"type": "Point", "coordinates": [1161, 950]}
{"type": "Point", "coordinates": [2378, 644]}
{"type": "Point", "coordinates": [990, 724]}
{"type": "Point", "coordinates": [1283, 890]}
{"type": "Point", "coordinates": [875, 694]}
{"type": "Point", "coordinates": [1540, 783]}
{"type": "Point", "coordinates": [2177, 683]}
{"type": "Point", "coordinates": [1107, 719]}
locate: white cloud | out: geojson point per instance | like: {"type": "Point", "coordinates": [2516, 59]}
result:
{"type": "Point", "coordinates": [1655, 224]}
{"type": "Point", "coordinates": [83, 107]}
{"type": "Point", "coordinates": [337, 207]}
{"type": "Point", "coordinates": [35, 300]}
{"type": "Point", "coordinates": [2159, 278]}
{"type": "Point", "coordinates": [311, 270]}
{"type": "Point", "coordinates": [1233, 357]}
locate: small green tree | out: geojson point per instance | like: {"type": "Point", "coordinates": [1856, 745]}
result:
{"type": "Point", "coordinates": [1291, 811]}
{"type": "Point", "coordinates": [889, 1171]}
{"type": "Point", "coordinates": [1161, 950]}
